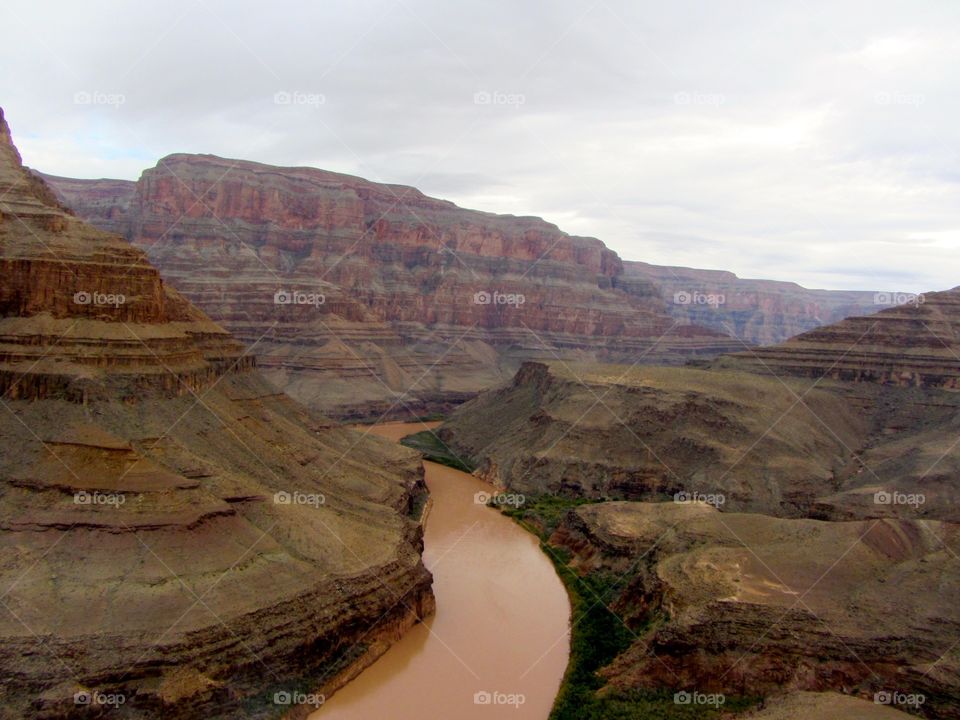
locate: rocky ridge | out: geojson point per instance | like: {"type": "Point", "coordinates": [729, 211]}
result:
{"type": "Point", "coordinates": [778, 520]}
{"type": "Point", "coordinates": [758, 605]}
{"type": "Point", "coordinates": [423, 303]}
{"type": "Point", "coordinates": [180, 539]}
{"type": "Point", "coordinates": [916, 344]}
{"type": "Point", "coordinates": [760, 312]}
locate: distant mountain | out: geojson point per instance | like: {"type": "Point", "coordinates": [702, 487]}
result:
{"type": "Point", "coordinates": [916, 344]}
{"type": "Point", "coordinates": [760, 312]}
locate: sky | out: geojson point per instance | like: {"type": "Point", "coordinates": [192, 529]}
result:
{"type": "Point", "coordinates": [808, 141]}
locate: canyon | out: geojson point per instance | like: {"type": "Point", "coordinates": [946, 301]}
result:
{"type": "Point", "coordinates": [759, 312]}
{"type": "Point", "coordinates": [179, 538]}
{"type": "Point", "coordinates": [368, 300]}
{"type": "Point", "coordinates": [779, 520]}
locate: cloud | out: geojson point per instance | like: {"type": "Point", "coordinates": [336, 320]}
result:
{"type": "Point", "coordinates": [813, 142]}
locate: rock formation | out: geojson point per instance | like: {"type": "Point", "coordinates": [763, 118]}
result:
{"type": "Point", "coordinates": [805, 536]}
{"type": "Point", "coordinates": [746, 604]}
{"type": "Point", "coordinates": [760, 312]}
{"type": "Point", "coordinates": [916, 344]}
{"type": "Point", "coordinates": [179, 539]}
{"type": "Point", "coordinates": [409, 304]}
{"type": "Point", "coordinates": [762, 444]}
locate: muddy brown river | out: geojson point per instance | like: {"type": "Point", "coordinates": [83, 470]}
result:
{"type": "Point", "coordinates": [498, 644]}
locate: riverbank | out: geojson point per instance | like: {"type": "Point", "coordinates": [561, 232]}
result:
{"type": "Point", "coordinates": [500, 632]}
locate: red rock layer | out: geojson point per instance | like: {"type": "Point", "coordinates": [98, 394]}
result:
{"type": "Point", "coordinates": [400, 274]}
{"type": "Point", "coordinates": [82, 310]}
{"type": "Point", "coordinates": [175, 532]}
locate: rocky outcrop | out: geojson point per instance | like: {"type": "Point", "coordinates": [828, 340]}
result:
{"type": "Point", "coordinates": [916, 344]}
{"type": "Point", "coordinates": [601, 431]}
{"type": "Point", "coordinates": [179, 539]}
{"type": "Point", "coordinates": [750, 605]}
{"type": "Point", "coordinates": [408, 303]}
{"type": "Point", "coordinates": [760, 312]}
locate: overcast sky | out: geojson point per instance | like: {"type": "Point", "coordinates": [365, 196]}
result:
{"type": "Point", "coordinates": [806, 141]}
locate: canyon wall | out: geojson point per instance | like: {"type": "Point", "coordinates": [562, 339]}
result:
{"type": "Point", "coordinates": [760, 312]}
{"type": "Point", "coordinates": [737, 604]}
{"type": "Point", "coordinates": [179, 539]}
{"type": "Point", "coordinates": [783, 519]}
{"type": "Point", "coordinates": [916, 344]}
{"type": "Point", "coordinates": [407, 304]}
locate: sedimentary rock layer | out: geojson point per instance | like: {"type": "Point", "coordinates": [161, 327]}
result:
{"type": "Point", "coordinates": [175, 532]}
{"type": "Point", "coordinates": [916, 344]}
{"type": "Point", "coordinates": [761, 312]}
{"type": "Point", "coordinates": [751, 605]}
{"type": "Point", "coordinates": [423, 303]}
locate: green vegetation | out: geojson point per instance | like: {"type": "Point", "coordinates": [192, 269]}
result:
{"type": "Point", "coordinates": [432, 448]}
{"type": "Point", "coordinates": [598, 636]}
{"type": "Point", "coordinates": [541, 514]}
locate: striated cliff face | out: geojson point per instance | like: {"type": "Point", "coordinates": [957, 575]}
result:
{"type": "Point", "coordinates": [806, 534]}
{"type": "Point", "coordinates": [179, 539]}
{"type": "Point", "coordinates": [912, 345]}
{"type": "Point", "coordinates": [410, 303]}
{"type": "Point", "coordinates": [746, 604]}
{"type": "Point", "coordinates": [760, 312]}
{"type": "Point", "coordinates": [771, 445]}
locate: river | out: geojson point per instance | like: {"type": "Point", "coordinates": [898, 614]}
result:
{"type": "Point", "coordinates": [499, 642]}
